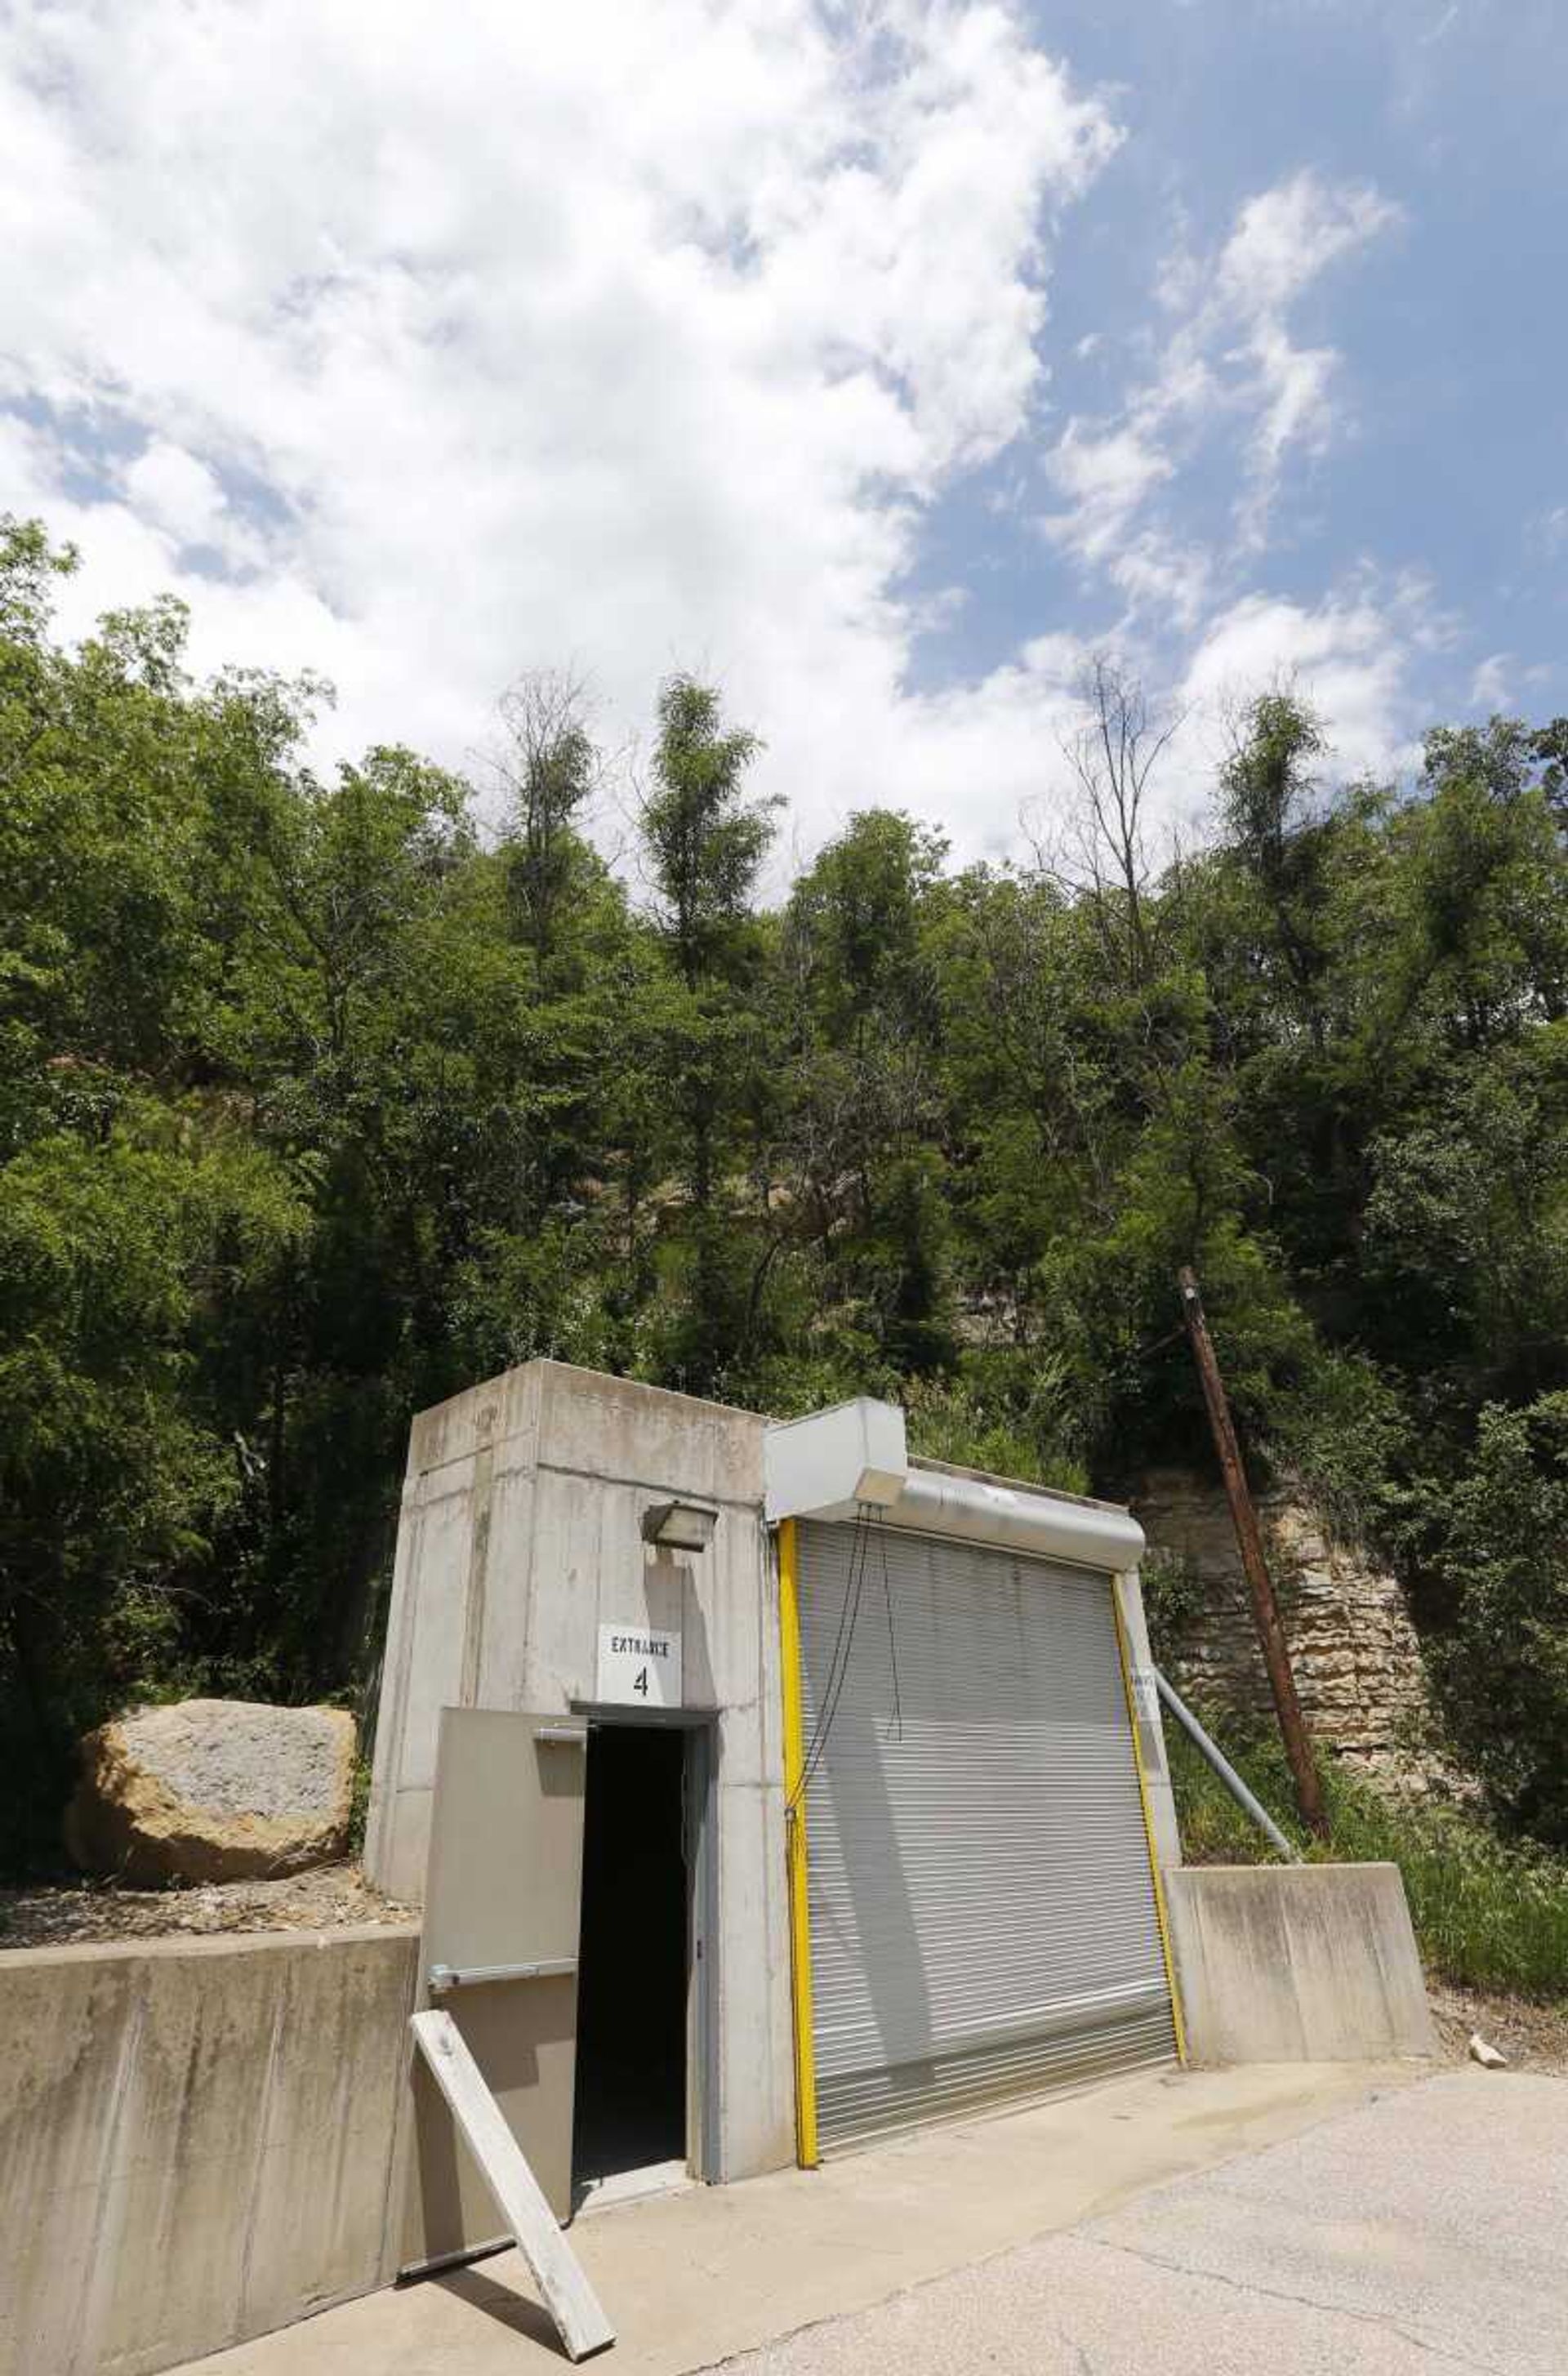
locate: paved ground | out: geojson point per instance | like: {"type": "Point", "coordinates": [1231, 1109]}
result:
{"type": "Point", "coordinates": [1423, 2232]}
{"type": "Point", "coordinates": [1298, 2221]}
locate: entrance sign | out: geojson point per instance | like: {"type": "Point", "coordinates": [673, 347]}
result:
{"type": "Point", "coordinates": [639, 1668]}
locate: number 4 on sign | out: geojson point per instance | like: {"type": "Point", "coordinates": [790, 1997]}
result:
{"type": "Point", "coordinates": [641, 1683]}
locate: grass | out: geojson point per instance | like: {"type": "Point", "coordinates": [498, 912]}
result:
{"type": "Point", "coordinates": [358, 1806]}
{"type": "Point", "coordinates": [1489, 1912]}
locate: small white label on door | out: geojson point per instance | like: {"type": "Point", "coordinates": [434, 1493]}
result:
{"type": "Point", "coordinates": [1146, 1694]}
{"type": "Point", "coordinates": [639, 1668]}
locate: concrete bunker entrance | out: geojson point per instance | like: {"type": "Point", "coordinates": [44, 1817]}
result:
{"type": "Point", "coordinates": [636, 1953]}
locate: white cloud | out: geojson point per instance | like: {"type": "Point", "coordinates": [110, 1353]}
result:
{"type": "Point", "coordinates": [633, 337]}
{"type": "Point", "coordinates": [1230, 359]}
{"type": "Point", "coordinates": [1548, 532]}
{"type": "Point", "coordinates": [1491, 685]}
{"type": "Point", "coordinates": [1349, 656]}
{"type": "Point", "coordinates": [1285, 237]}
{"type": "Point", "coordinates": [175, 494]}
{"type": "Point", "coordinates": [971, 758]}
{"type": "Point", "coordinates": [630, 339]}
{"type": "Point", "coordinates": [1282, 242]}
{"type": "Point", "coordinates": [1106, 479]}
{"type": "Point", "coordinates": [1505, 685]}
{"type": "Point", "coordinates": [1292, 389]}
{"type": "Point", "coordinates": [1107, 476]}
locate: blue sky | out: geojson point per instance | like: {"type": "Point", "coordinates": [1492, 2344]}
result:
{"type": "Point", "coordinates": [884, 361]}
{"type": "Point", "coordinates": [1451, 458]}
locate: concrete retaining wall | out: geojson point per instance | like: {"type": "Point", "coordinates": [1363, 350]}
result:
{"type": "Point", "coordinates": [197, 2140]}
{"type": "Point", "coordinates": [1312, 1963]}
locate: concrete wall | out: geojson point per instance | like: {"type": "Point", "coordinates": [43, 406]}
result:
{"type": "Point", "coordinates": [196, 2141]}
{"type": "Point", "coordinates": [520, 1536]}
{"type": "Point", "coordinates": [1312, 1963]}
{"type": "Point", "coordinates": [1149, 1716]}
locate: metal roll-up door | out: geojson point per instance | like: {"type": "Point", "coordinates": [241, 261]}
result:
{"type": "Point", "coordinates": [983, 1924]}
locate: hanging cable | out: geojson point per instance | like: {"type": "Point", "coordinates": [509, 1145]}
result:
{"type": "Point", "coordinates": [892, 1642]}
{"type": "Point", "coordinates": [837, 1652]}
{"type": "Point", "coordinates": [839, 1665]}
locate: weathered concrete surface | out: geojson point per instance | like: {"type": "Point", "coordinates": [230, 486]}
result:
{"type": "Point", "coordinates": [1311, 1963]}
{"type": "Point", "coordinates": [1150, 1718]}
{"type": "Point", "coordinates": [1421, 2234]}
{"type": "Point", "coordinates": [214, 1790]}
{"type": "Point", "coordinates": [691, 2278]}
{"type": "Point", "coordinates": [197, 2140]}
{"type": "Point", "coordinates": [520, 1536]}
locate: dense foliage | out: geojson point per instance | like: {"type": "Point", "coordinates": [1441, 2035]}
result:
{"type": "Point", "coordinates": [319, 1101]}
{"type": "Point", "coordinates": [1489, 1912]}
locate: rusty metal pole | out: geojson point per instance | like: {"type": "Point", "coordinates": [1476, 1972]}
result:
{"type": "Point", "coordinates": [1266, 1609]}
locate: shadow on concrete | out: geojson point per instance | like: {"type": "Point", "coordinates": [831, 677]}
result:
{"type": "Point", "coordinates": [512, 2310]}
{"type": "Point", "coordinates": [852, 1760]}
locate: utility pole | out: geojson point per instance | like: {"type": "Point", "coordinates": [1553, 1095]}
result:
{"type": "Point", "coordinates": [1266, 1609]}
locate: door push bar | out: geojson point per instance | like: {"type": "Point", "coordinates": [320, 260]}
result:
{"type": "Point", "coordinates": [468, 1976]}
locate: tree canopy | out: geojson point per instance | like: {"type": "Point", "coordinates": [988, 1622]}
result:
{"type": "Point", "coordinates": [320, 1100]}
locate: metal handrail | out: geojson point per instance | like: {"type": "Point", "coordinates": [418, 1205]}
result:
{"type": "Point", "coordinates": [1223, 1767]}
{"type": "Point", "coordinates": [471, 1976]}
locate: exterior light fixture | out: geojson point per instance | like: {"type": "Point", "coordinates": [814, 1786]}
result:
{"type": "Point", "coordinates": [678, 1526]}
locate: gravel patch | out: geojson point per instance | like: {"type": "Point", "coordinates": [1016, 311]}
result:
{"type": "Point", "coordinates": [1533, 2037]}
{"type": "Point", "coordinates": [75, 1914]}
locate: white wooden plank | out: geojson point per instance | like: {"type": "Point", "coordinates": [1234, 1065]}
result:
{"type": "Point", "coordinates": [557, 2272]}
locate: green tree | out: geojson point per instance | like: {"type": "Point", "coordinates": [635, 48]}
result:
{"type": "Point", "coordinates": [321, 1096]}
{"type": "Point", "coordinates": [550, 771]}
{"type": "Point", "coordinates": [1503, 1660]}
{"type": "Point", "coordinates": [706, 840]}
{"type": "Point", "coordinates": [706, 837]}
{"type": "Point", "coordinates": [115, 1483]}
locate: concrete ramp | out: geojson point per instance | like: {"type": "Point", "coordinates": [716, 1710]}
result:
{"type": "Point", "coordinates": [699, 2276]}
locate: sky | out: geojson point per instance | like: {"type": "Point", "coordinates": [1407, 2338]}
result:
{"type": "Point", "coordinates": [880, 360]}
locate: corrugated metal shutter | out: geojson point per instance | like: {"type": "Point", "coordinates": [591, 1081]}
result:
{"type": "Point", "coordinates": [982, 1915]}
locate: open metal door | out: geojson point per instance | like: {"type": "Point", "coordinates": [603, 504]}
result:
{"type": "Point", "coordinates": [503, 1898]}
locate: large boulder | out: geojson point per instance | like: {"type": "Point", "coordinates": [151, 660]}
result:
{"type": "Point", "coordinates": [213, 1790]}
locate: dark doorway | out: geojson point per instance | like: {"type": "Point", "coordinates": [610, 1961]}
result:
{"type": "Point", "coordinates": [632, 1974]}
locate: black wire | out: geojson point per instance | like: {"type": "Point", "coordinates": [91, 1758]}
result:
{"type": "Point", "coordinates": [838, 1669]}
{"type": "Point", "coordinates": [892, 1644]}
{"type": "Point", "coordinates": [838, 1649]}
{"type": "Point", "coordinates": [843, 1650]}
{"type": "Point", "coordinates": [839, 1665]}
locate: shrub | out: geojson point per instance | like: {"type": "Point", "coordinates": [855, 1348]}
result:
{"type": "Point", "coordinates": [1488, 1913]}
{"type": "Point", "coordinates": [1502, 1668]}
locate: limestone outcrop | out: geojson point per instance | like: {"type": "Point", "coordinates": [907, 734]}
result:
{"type": "Point", "coordinates": [213, 1790]}
{"type": "Point", "coordinates": [1356, 1653]}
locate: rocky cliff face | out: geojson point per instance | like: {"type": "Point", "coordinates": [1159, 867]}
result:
{"type": "Point", "coordinates": [1357, 1658]}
